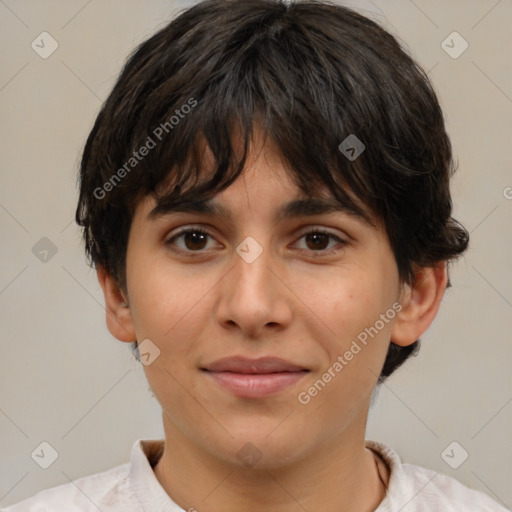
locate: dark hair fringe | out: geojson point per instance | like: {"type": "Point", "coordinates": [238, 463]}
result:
{"type": "Point", "coordinates": [312, 72]}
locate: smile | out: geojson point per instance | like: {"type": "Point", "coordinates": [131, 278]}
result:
{"type": "Point", "coordinates": [254, 378]}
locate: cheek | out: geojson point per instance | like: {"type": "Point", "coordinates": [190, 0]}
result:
{"type": "Point", "coordinates": [160, 296]}
{"type": "Point", "coordinates": [350, 301]}
{"type": "Point", "coordinates": [170, 307]}
{"type": "Point", "coordinates": [167, 309]}
{"type": "Point", "coordinates": [357, 309]}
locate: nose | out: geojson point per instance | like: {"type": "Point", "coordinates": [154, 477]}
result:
{"type": "Point", "coordinates": [253, 296]}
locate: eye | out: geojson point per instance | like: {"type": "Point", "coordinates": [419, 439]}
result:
{"type": "Point", "coordinates": [316, 238]}
{"type": "Point", "coordinates": [195, 240]}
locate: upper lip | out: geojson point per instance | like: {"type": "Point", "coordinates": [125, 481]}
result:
{"type": "Point", "coordinates": [239, 364]}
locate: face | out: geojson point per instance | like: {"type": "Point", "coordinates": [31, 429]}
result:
{"type": "Point", "coordinates": [254, 286]}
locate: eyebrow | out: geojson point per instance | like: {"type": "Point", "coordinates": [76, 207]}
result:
{"type": "Point", "coordinates": [307, 206]}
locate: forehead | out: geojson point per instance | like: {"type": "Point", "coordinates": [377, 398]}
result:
{"type": "Point", "coordinates": [264, 168]}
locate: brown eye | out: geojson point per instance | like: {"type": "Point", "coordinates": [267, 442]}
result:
{"type": "Point", "coordinates": [318, 241]}
{"type": "Point", "coordinates": [194, 239]}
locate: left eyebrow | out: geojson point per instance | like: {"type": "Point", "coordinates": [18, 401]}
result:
{"type": "Point", "coordinates": [302, 207]}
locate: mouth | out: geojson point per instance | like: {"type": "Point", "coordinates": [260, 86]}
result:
{"type": "Point", "coordinates": [254, 378]}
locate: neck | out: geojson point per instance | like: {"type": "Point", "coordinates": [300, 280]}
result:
{"type": "Point", "coordinates": [340, 476]}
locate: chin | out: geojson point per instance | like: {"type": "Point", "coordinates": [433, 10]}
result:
{"type": "Point", "coordinates": [264, 446]}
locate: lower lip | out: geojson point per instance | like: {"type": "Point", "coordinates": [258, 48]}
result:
{"type": "Point", "coordinates": [252, 385]}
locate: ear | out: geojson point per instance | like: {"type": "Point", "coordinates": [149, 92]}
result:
{"type": "Point", "coordinates": [420, 302]}
{"type": "Point", "coordinates": [119, 317]}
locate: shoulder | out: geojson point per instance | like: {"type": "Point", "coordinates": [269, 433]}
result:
{"type": "Point", "coordinates": [418, 489]}
{"type": "Point", "coordinates": [446, 493]}
{"type": "Point", "coordinates": [102, 491]}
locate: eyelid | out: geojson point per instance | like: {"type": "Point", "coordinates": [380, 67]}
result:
{"type": "Point", "coordinates": [341, 241]}
{"type": "Point", "coordinates": [322, 229]}
{"type": "Point", "coordinates": [187, 229]}
{"type": "Point", "coordinates": [305, 230]}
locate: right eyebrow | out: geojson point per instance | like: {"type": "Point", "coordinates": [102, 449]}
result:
{"type": "Point", "coordinates": [300, 207]}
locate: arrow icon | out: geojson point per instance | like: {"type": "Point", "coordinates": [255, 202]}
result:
{"type": "Point", "coordinates": [454, 45]}
{"type": "Point", "coordinates": [44, 45]}
{"type": "Point", "coordinates": [249, 455]}
{"type": "Point", "coordinates": [454, 455]}
{"type": "Point", "coordinates": [44, 455]}
{"type": "Point", "coordinates": [351, 147]}
{"type": "Point", "coordinates": [249, 249]}
{"type": "Point", "coordinates": [44, 250]}
{"type": "Point", "coordinates": [146, 352]}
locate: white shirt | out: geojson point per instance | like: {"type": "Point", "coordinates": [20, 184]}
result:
{"type": "Point", "coordinates": [133, 487]}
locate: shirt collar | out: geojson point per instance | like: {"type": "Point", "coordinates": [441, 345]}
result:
{"type": "Point", "coordinates": [153, 498]}
{"type": "Point", "coordinates": [143, 481]}
{"type": "Point", "coordinates": [399, 486]}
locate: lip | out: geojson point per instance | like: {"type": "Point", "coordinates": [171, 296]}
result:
{"type": "Point", "coordinates": [254, 378]}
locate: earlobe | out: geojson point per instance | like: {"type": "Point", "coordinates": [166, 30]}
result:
{"type": "Point", "coordinates": [118, 314]}
{"type": "Point", "coordinates": [420, 303]}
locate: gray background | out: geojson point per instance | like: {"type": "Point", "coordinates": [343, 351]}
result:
{"type": "Point", "coordinates": [66, 381]}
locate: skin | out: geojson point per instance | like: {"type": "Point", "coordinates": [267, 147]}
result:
{"type": "Point", "coordinates": [291, 302]}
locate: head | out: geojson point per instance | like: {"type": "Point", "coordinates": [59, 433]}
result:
{"type": "Point", "coordinates": [248, 105]}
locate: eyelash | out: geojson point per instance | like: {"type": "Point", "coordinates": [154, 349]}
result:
{"type": "Point", "coordinates": [201, 231]}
